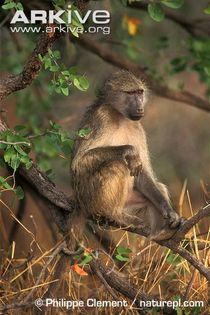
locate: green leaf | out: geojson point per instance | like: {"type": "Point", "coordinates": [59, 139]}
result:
{"type": "Point", "coordinates": [54, 125]}
{"type": "Point", "coordinates": [84, 83]}
{"type": "Point", "coordinates": [179, 64]}
{"type": "Point", "coordinates": [84, 132]}
{"type": "Point", "coordinates": [40, 57]}
{"type": "Point", "coordinates": [47, 63]}
{"type": "Point", "coordinates": [174, 4]}
{"type": "Point", "coordinates": [15, 162]}
{"type": "Point", "coordinates": [207, 10]}
{"type": "Point", "coordinates": [81, 83]}
{"type": "Point", "coordinates": [19, 6]}
{"type": "Point", "coordinates": [28, 165]}
{"type": "Point", "coordinates": [20, 150]}
{"type": "Point", "coordinates": [86, 260]}
{"type": "Point", "coordinates": [9, 6]}
{"type": "Point", "coordinates": [24, 159]}
{"type": "Point", "coordinates": [58, 89]}
{"type": "Point", "coordinates": [156, 12]}
{"type": "Point", "coordinates": [19, 192]}
{"type": "Point", "coordinates": [74, 32]}
{"type": "Point", "coordinates": [121, 258]}
{"type": "Point", "coordinates": [4, 183]}
{"type": "Point", "coordinates": [44, 164]}
{"type": "Point", "coordinates": [67, 147]}
{"type": "Point", "coordinates": [56, 54]}
{"type": "Point", "coordinates": [123, 250]}
{"type": "Point", "coordinates": [54, 68]}
{"type": "Point", "coordinates": [3, 146]}
{"type": "Point", "coordinates": [65, 91]}
{"type": "Point", "coordinates": [207, 71]}
{"type": "Point", "coordinates": [9, 153]}
{"type": "Point", "coordinates": [20, 128]}
{"type": "Point", "coordinates": [73, 70]}
{"type": "Point", "coordinates": [173, 259]}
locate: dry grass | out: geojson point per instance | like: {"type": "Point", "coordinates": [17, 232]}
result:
{"type": "Point", "coordinates": [154, 269]}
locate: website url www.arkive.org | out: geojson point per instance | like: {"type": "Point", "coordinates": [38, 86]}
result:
{"type": "Point", "coordinates": [62, 29]}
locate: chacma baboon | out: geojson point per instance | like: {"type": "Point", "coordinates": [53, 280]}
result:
{"type": "Point", "coordinates": [111, 170]}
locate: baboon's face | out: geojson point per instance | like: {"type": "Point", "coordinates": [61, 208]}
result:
{"type": "Point", "coordinates": [130, 103]}
{"type": "Point", "coordinates": [135, 104]}
{"type": "Point", "coordinates": [126, 93]}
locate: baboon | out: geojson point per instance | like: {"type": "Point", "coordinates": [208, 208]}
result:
{"type": "Point", "coordinates": [111, 170]}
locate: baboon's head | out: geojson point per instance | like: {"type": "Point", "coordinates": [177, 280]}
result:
{"type": "Point", "coordinates": [126, 93]}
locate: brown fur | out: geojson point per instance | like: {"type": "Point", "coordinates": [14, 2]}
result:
{"type": "Point", "coordinates": [103, 162]}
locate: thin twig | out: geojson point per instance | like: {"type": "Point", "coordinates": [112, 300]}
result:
{"type": "Point", "coordinates": [42, 273]}
{"type": "Point", "coordinates": [15, 143]}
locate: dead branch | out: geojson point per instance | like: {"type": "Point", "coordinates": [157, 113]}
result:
{"type": "Point", "coordinates": [119, 282]}
{"type": "Point", "coordinates": [173, 243]}
{"type": "Point", "coordinates": [43, 271]}
{"type": "Point", "coordinates": [124, 286]}
{"type": "Point", "coordinates": [205, 271]}
{"type": "Point", "coordinates": [202, 213]}
{"type": "Point", "coordinates": [119, 61]}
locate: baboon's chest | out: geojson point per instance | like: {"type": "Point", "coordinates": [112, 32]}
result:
{"type": "Point", "coordinates": [123, 134]}
{"type": "Point", "coordinates": [127, 134]}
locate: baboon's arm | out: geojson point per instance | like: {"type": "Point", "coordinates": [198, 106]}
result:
{"type": "Point", "coordinates": [149, 187]}
{"type": "Point", "coordinates": [96, 157]}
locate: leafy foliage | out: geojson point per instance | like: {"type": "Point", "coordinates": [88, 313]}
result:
{"type": "Point", "coordinates": [123, 253]}
{"type": "Point", "coordinates": [156, 12]}
{"type": "Point", "coordinates": [5, 186]}
{"type": "Point", "coordinates": [63, 78]}
{"type": "Point", "coordinates": [16, 149]}
{"type": "Point", "coordinates": [83, 258]}
{"type": "Point", "coordinates": [174, 4]}
{"type": "Point", "coordinates": [207, 10]}
{"type": "Point", "coordinates": [75, 23]}
{"type": "Point", "coordinates": [10, 4]}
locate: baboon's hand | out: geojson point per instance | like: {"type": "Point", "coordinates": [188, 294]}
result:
{"type": "Point", "coordinates": [134, 163]}
{"type": "Point", "coordinates": [173, 219]}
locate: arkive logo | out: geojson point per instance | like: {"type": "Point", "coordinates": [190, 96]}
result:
{"type": "Point", "coordinates": [51, 16]}
{"type": "Point", "coordinates": [62, 21]}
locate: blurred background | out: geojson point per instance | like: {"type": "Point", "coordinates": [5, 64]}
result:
{"type": "Point", "coordinates": [174, 53]}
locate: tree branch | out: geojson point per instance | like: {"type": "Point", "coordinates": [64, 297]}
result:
{"type": "Point", "coordinates": [173, 243]}
{"type": "Point", "coordinates": [46, 188]}
{"type": "Point", "coordinates": [120, 283]}
{"type": "Point", "coordinates": [13, 83]}
{"type": "Point", "coordinates": [62, 208]}
{"type": "Point", "coordinates": [119, 61]}
{"type": "Point", "coordinates": [188, 224]}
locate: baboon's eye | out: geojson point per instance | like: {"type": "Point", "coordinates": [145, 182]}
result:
{"type": "Point", "coordinates": [139, 92]}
